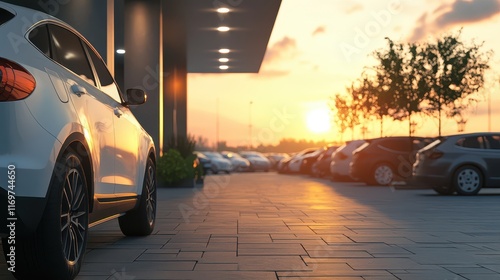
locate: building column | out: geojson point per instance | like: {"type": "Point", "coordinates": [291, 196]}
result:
{"type": "Point", "coordinates": [175, 69]}
{"type": "Point", "coordinates": [142, 61]}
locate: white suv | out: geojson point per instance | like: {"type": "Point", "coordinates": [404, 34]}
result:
{"type": "Point", "coordinates": [72, 155]}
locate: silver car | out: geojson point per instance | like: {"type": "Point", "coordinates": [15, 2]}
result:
{"type": "Point", "coordinates": [74, 153]}
{"type": "Point", "coordinates": [462, 163]}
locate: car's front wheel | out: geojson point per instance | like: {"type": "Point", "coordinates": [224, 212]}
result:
{"type": "Point", "coordinates": [468, 180]}
{"type": "Point", "coordinates": [141, 220]}
{"type": "Point", "coordinates": [57, 247]}
{"type": "Point", "coordinates": [382, 175]}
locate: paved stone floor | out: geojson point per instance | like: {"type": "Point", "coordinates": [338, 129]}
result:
{"type": "Point", "coordinates": [270, 226]}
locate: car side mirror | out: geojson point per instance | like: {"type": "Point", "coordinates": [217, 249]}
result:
{"type": "Point", "coordinates": [136, 96]}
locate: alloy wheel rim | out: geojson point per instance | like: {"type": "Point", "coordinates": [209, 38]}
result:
{"type": "Point", "coordinates": [150, 192]}
{"type": "Point", "coordinates": [468, 180]}
{"type": "Point", "coordinates": [74, 217]}
{"type": "Point", "coordinates": [383, 175]}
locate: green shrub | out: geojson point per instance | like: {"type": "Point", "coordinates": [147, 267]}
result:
{"type": "Point", "coordinates": [172, 167]}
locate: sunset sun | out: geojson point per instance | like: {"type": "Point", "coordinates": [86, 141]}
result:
{"type": "Point", "coordinates": [318, 120]}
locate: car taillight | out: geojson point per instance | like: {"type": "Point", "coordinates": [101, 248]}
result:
{"type": "Point", "coordinates": [16, 83]}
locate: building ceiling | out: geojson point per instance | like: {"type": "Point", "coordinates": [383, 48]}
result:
{"type": "Point", "coordinates": [251, 23]}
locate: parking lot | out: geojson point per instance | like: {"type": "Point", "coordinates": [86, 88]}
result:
{"type": "Point", "coordinates": [269, 226]}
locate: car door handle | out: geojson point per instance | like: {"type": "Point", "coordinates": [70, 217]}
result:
{"type": "Point", "coordinates": [118, 112]}
{"type": "Point", "coordinates": [78, 90]}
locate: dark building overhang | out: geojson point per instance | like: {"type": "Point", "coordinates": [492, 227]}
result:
{"type": "Point", "coordinates": [251, 23]}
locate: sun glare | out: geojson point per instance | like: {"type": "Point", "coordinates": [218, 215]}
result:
{"type": "Point", "coordinates": [318, 120]}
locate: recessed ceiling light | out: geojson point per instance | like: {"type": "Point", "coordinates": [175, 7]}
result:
{"type": "Point", "coordinates": [120, 51]}
{"type": "Point", "coordinates": [223, 59]}
{"type": "Point", "coordinates": [223, 10]}
{"type": "Point", "coordinates": [223, 67]}
{"type": "Point", "coordinates": [224, 50]}
{"type": "Point", "coordinates": [223, 28]}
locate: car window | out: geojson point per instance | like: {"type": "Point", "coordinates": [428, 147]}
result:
{"type": "Point", "coordinates": [5, 16]}
{"type": "Point", "coordinates": [67, 50]}
{"type": "Point", "coordinates": [400, 145]}
{"type": "Point", "coordinates": [472, 142]}
{"type": "Point", "coordinates": [108, 85]}
{"type": "Point", "coordinates": [493, 142]}
{"type": "Point", "coordinates": [39, 36]}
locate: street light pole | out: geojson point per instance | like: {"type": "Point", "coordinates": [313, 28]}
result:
{"type": "Point", "coordinates": [250, 125]}
{"type": "Point", "coordinates": [217, 127]}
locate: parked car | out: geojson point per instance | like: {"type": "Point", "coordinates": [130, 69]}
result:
{"type": "Point", "coordinates": [308, 160]}
{"type": "Point", "coordinates": [463, 163]}
{"type": "Point", "coordinates": [379, 161]}
{"type": "Point", "coordinates": [258, 162]}
{"type": "Point", "coordinates": [341, 159]}
{"type": "Point", "coordinates": [295, 160]}
{"type": "Point", "coordinates": [218, 163]}
{"type": "Point", "coordinates": [239, 163]}
{"type": "Point", "coordinates": [275, 158]}
{"type": "Point", "coordinates": [321, 167]}
{"type": "Point", "coordinates": [205, 162]}
{"type": "Point", "coordinates": [75, 154]}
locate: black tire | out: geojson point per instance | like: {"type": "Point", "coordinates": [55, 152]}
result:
{"type": "Point", "coordinates": [141, 220]}
{"type": "Point", "coordinates": [57, 247]}
{"type": "Point", "coordinates": [382, 175]}
{"type": "Point", "coordinates": [467, 180]}
{"type": "Point", "coordinates": [444, 190]}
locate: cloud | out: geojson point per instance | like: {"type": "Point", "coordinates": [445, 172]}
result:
{"type": "Point", "coordinates": [354, 8]}
{"type": "Point", "coordinates": [282, 51]}
{"type": "Point", "coordinates": [464, 11]}
{"type": "Point", "coordinates": [319, 30]}
{"type": "Point", "coordinates": [421, 30]}
{"type": "Point", "coordinates": [284, 48]}
{"type": "Point", "coordinates": [455, 13]}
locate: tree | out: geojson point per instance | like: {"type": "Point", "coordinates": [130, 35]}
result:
{"type": "Point", "coordinates": [401, 73]}
{"type": "Point", "coordinates": [455, 71]}
{"type": "Point", "coordinates": [346, 112]}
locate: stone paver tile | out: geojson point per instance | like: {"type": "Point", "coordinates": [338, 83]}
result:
{"type": "Point", "coordinates": [469, 270]}
{"type": "Point", "coordinates": [254, 238]}
{"type": "Point", "coordinates": [381, 239]}
{"type": "Point", "coordinates": [383, 263]}
{"type": "Point", "coordinates": [332, 270]}
{"type": "Point", "coordinates": [437, 273]}
{"type": "Point", "coordinates": [221, 247]}
{"type": "Point", "coordinates": [139, 266]}
{"type": "Point", "coordinates": [481, 276]}
{"type": "Point", "coordinates": [271, 263]}
{"type": "Point", "coordinates": [336, 238]}
{"type": "Point", "coordinates": [182, 256]}
{"type": "Point", "coordinates": [216, 266]}
{"type": "Point", "coordinates": [219, 257]}
{"type": "Point", "coordinates": [494, 267]}
{"type": "Point", "coordinates": [338, 254]}
{"type": "Point", "coordinates": [223, 239]}
{"type": "Point", "coordinates": [320, 278]}
{"type": "Point", "coordinates": [162, 251]}
{"type": "Point", "coordinates": [113, 255]}
{"type": "Point", "coordinates": [173, 245]}
{"type": "Point", "coordinates": [203, 275]}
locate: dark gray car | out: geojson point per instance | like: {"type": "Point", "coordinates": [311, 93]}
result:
{"type": "Point", "coordinates": [462, 163]}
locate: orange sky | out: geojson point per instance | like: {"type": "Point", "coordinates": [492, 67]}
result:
{"type": "Point", "coordinates": [317, 48]}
